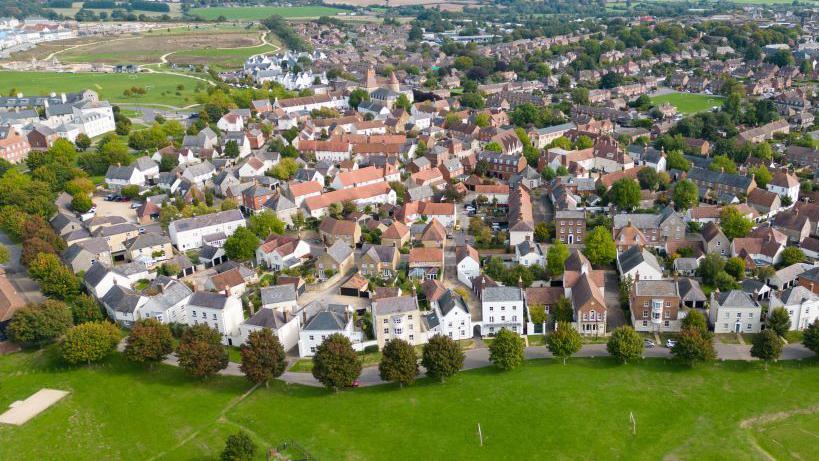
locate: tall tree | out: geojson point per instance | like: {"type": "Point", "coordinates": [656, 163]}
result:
{"type": "Point", "coordinates": [625, 344]}
{"type": "Point", "coordinates": [242, 244]}
{"type": "Point", "coordinates": [150, 342]}
{"type": "Point", "coordinates": [564, 342]}
{"type": "Point", "coordinates": [694, 320]}
{"type": "Point", "coordinates": [89, 342]}
{"type": "Point", "coordinates": [238, 447]}
{"type": "Point", "coordinates": [556, 258]}
{"type": "Point", "coordinates": [506, 350]}
{"type": "Point", "coordinates": [766, 346]}
{"type": "Point", "coordinates": [733, 224]}
{"type": "Point", "coordinates": [442, 357]}
{"type": "Point", "coordinates": [686, 195]}
{"type": "Point", "coordinates": [792, 255]}
{"type": "Point", "coordinates": [263, 357]}
{"type": "Point", "coordinates": [562, 311]}
{"type": "Point", "coordinates": [779, 321]}
{"type": "Point", "coordinates": [625, 193]}
{"type": "Point", "coordinates": [335, 364]}
{"type": "Point", "coordinates": [810, 337]}
{"type": "Point", "coordinates": [84, 308]}
{"type": "Point", "coordinates": [600, 247]}
{"type": "Point", "coordinates": [38, 324]}
{"type": "Point", "coordinates": [265, 223]}
{"type": "Point", "coordinates": [201, 352]}
{"type": "Point", "coordinates": [694, 345]}
{"type": "Point", "coordinates": [399, 362]}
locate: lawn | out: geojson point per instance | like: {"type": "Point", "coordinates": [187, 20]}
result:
{"type": "Point", "coordinates": [161, 88]}
{"type": "Point", "coordinates": [255, 13]}
{"type": "Point", "coordinates": [688, 103]}
{"type": "Point", "coordinates": [543, 410]}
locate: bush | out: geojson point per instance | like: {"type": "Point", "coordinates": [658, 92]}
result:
{"type": "Point", "coordinates": [89, 342]}
{"type": "Point", "coordinates": [371, 349]}
{"type": "Point", "coordinates": [38, 324]}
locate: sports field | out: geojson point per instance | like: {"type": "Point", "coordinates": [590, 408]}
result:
{"type": "Point", "coordinates": [160, 88]}
{"type": "Point", "coordinates": [688, 103]}
{"type": "Point", "coordinates": [263, 12]}
{"type": "Point", "coordinates": [544, 410]}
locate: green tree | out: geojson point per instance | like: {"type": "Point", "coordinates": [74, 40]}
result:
{"type": "Point", "coordinates": [733, 224]}
{"type": "Point", "coordinates": [81, 202]}
{"type": "Point", "coordinates": [55, 279]}
{"type": "Point", "coordinates": [625, 193]}
{"type": "Point", "coordinates": [564, 342]}
{"type": "Point", "coordinates": [676, 161]}
{"type": "Point", "coordinates": [580, 95]}
{"type": "Point", "coordinates": [38, 324]}
{"type": "Point", "coordinates": [285, 169]}
{"type": "Point", "coordinates": [600, 247]}
{"type": "Point", "coordinates": [542, 233]}
{"type": "Point", "coordinates": [735, 267]}
{"type": "Point", "coordinates": [263, 357]}
{"type": "Point", "coordinates": [723, 163]}
{"type": "Point", "coordinates": [810, 337]}
{"type": "Point", "coordinates": [83, 141]}
{"type": "Point", "coordinates": [265, 223]}
{"type": "Point", "coordinates": [506, 350]}
{"type": "Point", "coordinates": [442, 357]}
{"type": "Point", "coordinates": [231, 149]}
{"type": "Point", "coordinates": [150, 341]}
{"type": "Point", "coordinates": [242, 244]}
{"type": "Point", "coordinates": [4, 254]}
{"type": "Point", "coordinates": [403, 102]}
{"type": "Point", "coordinates": [238, 447]}
{"type": "Point", "coordinates": [399, 362]}
{"type": "Point", "coordinates": [131, 191]}
{"type": "Point", "coordinates": [694, 345]}
{"type": "Point", "coordinates": [723, 281]}
{"type": "Point", "coordinates": [537, 313]}
{"type": "Point", "coordinates": [694, 320]}
{"type": "Point", "coordinates": [625, 344]}
{"type": "Point", "coordinates": [201, 352]}
{"type": "Point", "coordinates": [335, 364]}
{"type": "Point", "coordinates": [84, 308]}
{"type": "Point", "coordinates": [89, 342]}
{"type": "Point", "coordinates": [792, 255]}
{"type": "Point", "coordinates": [779, 321]}
{"type": "Point", "coordinates": [766, 346]}
{"type": "Point", "coordinates": [686, 195]}
{"type": "Point", "coordinates": [556, 257]}
{"type": "Point", "coordinates": [761, 175]}
{"type": "Point", "coordinates": [358, 96]}
{"type": "Point", "coordinates": [649, 178]}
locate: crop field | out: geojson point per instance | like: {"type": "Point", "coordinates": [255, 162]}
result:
{"type": "Point", "coordinates": [263, 12]}
{"type": "Point", "coordinates": [689, 103]}
{"type": "Point", "coordinates": [176, 10]}
{"type": "Point", "coordinates": [160, 88]}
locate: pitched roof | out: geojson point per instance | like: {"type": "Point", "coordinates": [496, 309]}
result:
{"type": "Point", "coordinates": [334, 226]}
{"type": "Point", "coordinates": [396, 305]}
{"type": "Point", "coordinates": [278, 294]}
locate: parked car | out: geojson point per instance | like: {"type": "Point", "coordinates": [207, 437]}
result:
{"type": "Point", "coordinates": [648, 343]}
{"type": "Point", "coordinates": [110, 197]}
{"type": "Point", "coordinates": [136, 205]}
{"type": "Point", "coordinates": [669, 343]}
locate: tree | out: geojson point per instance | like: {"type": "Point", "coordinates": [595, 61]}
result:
{"type": "Point", "coordinates": [694, 320]}
{"type": "Point", "coordinates": [89, 342]}
{"type": "Point", "coordinates": [580, 95]}
{"type": "Point", "coordinates": [779, 321]}
{"type": "Point", "coordinates": [676, 161]}
{"type": "Point", "coordinates": [82, 141]}
{"type": "Point", "coordinates": [686, 195]}
{"type": "Point", "coordinates": [735, 267]}
{"type": "Point", "coordinates": [81, 202]}
{"type": "Point", "coordinates": [723, 281]}
{"type": "Point", "coordinates": [792, 255]}
{"type": "Point", "coordinates": [810, 337]}
{"type": "Point", "coordinates": [562, 311]}
{"type": "Point", "coordinates": [694, 345]}
{"type": "Point", "coordinates": [231, 149]}
{"type": "Point", "coordinates": [556, 258]}
{"type": "Point", "coordinates": [506, 350]}
{"type": "Point", "coordinates": [564, 342]}
{"type": "Point", "coordinates": [263, 357]}
{"type": "Point", "coordinates": [84, 308]}
{"type": "Point", "coordinates": [335, 364]}
{"type": "Point", "coordinates": [238, 447]}
{"type": "Point", "coordinates": [733, 224]}
{"type": "Point", "coordinates": [403, 102]}
{"type": "Point", "coordinates": [649, 178]}
{"type": "Point", "coordinates": [625, 344]}
{"type": "Point", "coordinates": [285, 169]}
{"type": "Point", "coordinates": [625, 193]}
{"type": "Point", "coordinates": [723, 164]}
{"type": "Point", "coordinates": [242, 244]}
{"type": "Point", "coordinates": [38, 324]}
{"type": "Point", "coordinates": [442, 357]}
{"type": "Point", "coordinates": [761, 174]}
{"type": "Point", "coordinates": [766, 346]}
{"type": "Point", "coordinates": [537, 312]}
{"type": "Point", "coordinates": [131, 191]}
{"type": "Point", "coordinates": [358, 96]}
{"type": "Point", "coordinates": [4, 254]}
{"type": "Point", "coordinates": [265, 223]}
{"type": "Point", "coordinates": [600, 247]}
{"type": "Point", "coordinates": [201, 352]}
{"type": "Point", "coordinates": [150, 341]}
{"type": "Point", "coordinates": [55, 279]}
{"type": "Point", "coordinates": [399, 362]}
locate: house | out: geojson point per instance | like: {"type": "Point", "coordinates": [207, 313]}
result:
{"type": "Point", "coordinates": [199, 173]}
{"type": "Point", "coordinates": [149, 248]}
{"type": "Point", "coordinates": [502, 308]}
{"type": "Point", "coordinates": [282, 298]}
{"type": "Point", "coordinates": [42, 137]}
{"type": "Point", "coordinates": [372, 194]}
{"type": "Point", "coordinates": [797, 227]}
{"type": "Point", "coordinates": [785, 185]}
{"type": "Point", "coordinates": [570, 226]}
{"type": "Point", "coordinates": [280, 252]}
{"type": "Point", "coordinates": [299, 191]}
{"type": "Point", "coordinates": [168, 302]}
{"type": "Point", "coordinates": [426, 263]}
{"type": "Point", "coordinates": [189, 233]}
{"type": "Point", "coordinates": [283, 324]}
{"type": "Point", "coordinates": [334, 319]}
{"type": "Point", "coordinates": [528, 253]}
{"type": "Point", "coordinates": [118, 177]}
{"type": "Point", "coordinates": [452, 315]}
{"type": "Point", "coordinates": [734, 312]}
{"type": "Point", "coordinates": [82, 255]}
{"type": "Point", "coordinates": [655, 306]}
{"type": "Point", "coordinates": [467, 264]}
{"type": "Point", "coordinates": [691, 295]}
{"type": "Point", "coordinates": [13, 146]}
{"type": "Point", "coordinates": [123, 305]}
{"type": "Point", "coordinates": [802, 306]}
{"type": "Point", "coordinates": [220, 312]}
{"type": "Point", "coordinates": [423, 210]}
{"type": "Point", "coordinates": [117, 235]}
{"type": "Point", "coordinates": [379, 261]}
{"type": "Point", "coordinates": [764, 132]}
{"type": "Point", "coordinates": [787, 276]}
{"type": "Point", "coordinates": [231, 122]}
{"type": "Point", "coordinates": [658, 229]}
{"type": "Point", "coordinates": [589, 306]}
{"type": "Point", "coordinates": [433, 235]}
{"type": "Point", "coordinates": [686, 266]}
{"type": "Point", "coordinates": [338, 259]}
{"type": "Point", "coordinates": [767, 203]}
{"type": "Point", "coordinates": [99, 279]}
{"type": "Point", "coordinates": [521, 221]}
{"type": "Point", "coordinates": [397, 318]}
{"type": "Point", "coordinates": [714, 240]}
{"type": "Point", "coordinates": [230, 282]}
{"type": "Point", "coordinates": [332, 230]}
{"type": "Point", "coordinates": [397, 235]}
{"type": "Point", "coordinates": [358, 178]}
{"type": "Point", "coordinates": [638, 264]}
{"type": "Point", "coordinates": [721, 183]}
{"type": "Point", "coordinates": [501, 165]}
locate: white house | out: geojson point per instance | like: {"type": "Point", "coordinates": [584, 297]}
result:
{"type": "Point", "coordinates": [168, 305]}
{"type": "Point", "coordinates": [148, 167]}
{"type": "Point", "coordinates": [453, 316]}
{"type": "Point", "coordinates": [188, 233]}
{"type": "Point", "coordinates": [502, 308]}
{"type": "Point", "coordinates": [639, 264]}
{"type": "Point", "coordinates": [241, 140]}
{"type": "Point", "coordinates": [529, 253]}
{"type": "Point", "coordinates": [94, 118]}
{"type": "Point", "coordinates": [118, 177]}
{"type": "Point", "coordinates": [220, 312]}
{"type": "Point", "coordinates": [786, 185]}
{"type": "Point", "coordinates": [336, 319]}
{"type": "Point", "coordinates": [284, 324]}
{"type": "Point", "coordinates": [282, 298]}
{"type": "Point", "coordinates": [802, 306]}
{"type": "Point", "coordinates": [199, 173]}
{"type": "Point", "coordinates": [99, 279]}
{"type": "Point", "coordinates": [468, 264]}
{"type": "Point", "coordinates": [282, 252]}
{"type": "Point", "coordinates": [735, 312]}
{"type": "Point", "coordinates": [231, 122]}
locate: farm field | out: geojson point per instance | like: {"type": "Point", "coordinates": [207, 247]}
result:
{"type": "Point", "coordinates": [161, 88]}
{"type": "Point", "coordinates": [688, 103]}
{"type": "Point", "coordinates": [176, 10]}
{"type": "Point", "coordinates": [256, 13]}
{"type": "Point", "coordinates": [117, 410]}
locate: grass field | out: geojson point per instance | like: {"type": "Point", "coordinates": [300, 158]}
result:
{"type": "Point", "coordinates": [163, 87]}
{"type": "Point", "coordinates": [542, 411]}
{"type": "Point", "coordinates": [255, 13]}
{"type": "Point", "coordinates": [688, 103]}
{"type": "Point", "coordinates": [176, 10]}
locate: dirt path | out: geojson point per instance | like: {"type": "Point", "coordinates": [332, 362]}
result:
{"type": "Point", "coordinates": [769, 418]}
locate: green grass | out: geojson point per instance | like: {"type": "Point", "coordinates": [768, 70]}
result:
{"type": "Point", "coordinates": [227, 58]}
{"type": "Point", "coordinates": [688, 103]}
{"type": "Point", "coordinates": [306, 365]}
{"type": "Point", "coordinates": [543, 410]}
{"type": "Point", "coordinates": [537, 340]}
{"type": "Point", "coordinates": [109, 86]}
{"type": "Point", "coordinates": [253, 13]}
{"type": "Point", "coordinates": [234, 354]}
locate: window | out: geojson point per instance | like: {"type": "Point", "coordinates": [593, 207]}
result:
{"type": "Point", "coordinates": [739, 315]}
{"type": "Point", "coordinates": [412, 337]}
{"type": "Point", "coordinates": [514, 318]}
{"type": "Point", "coordinates": [214, 316]}
{"type": "Point", "coordinates": [386, 331]}
{"type": "Point", "coordinates": [398, 331]}
{"type": "Point", "coordinates": [313, 349]}
{"type": "Point", "coordinates": [645, 303]}
{"type": "Point", "coordinates": [311, 337]}
{"type": "Point", "coordinates": [194, 313]}
{"type": "Point", "coordinates": [204, 315]}
{"type": "Point", "coordinates": [666, 323]}
{"type": "Point", "coordinates": [645, 323]}
{"type": "Point", "coordinates": [409, 317]}
{"type": "Point", "coordinates": [725, 326]}
{"type": "Point", "coordinates": [748, 327]}
{"type": "Point", "coordinates": [668, 304]}
{"type": "Point", "coordinates": [491, 319]}
{"type": "Point", "coordinates": [503, 318]}
{"type": "Point", "coordinates": [491, 308]}
{"type": "Point", "coordinates": [386, 321]}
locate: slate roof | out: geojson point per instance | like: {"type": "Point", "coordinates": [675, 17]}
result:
{"type": "Point", "coordinates": [198, 222]}
{"type": "Point", "coordinates": [328, 320]}
{"type": "Point", "coordinates": [449, 301]}
{"type": "Point", "coordinates": [689, 290]}
{"type": "Point", "coordinates": [268, 318]}
{"type": "Point", "coordinates": [792, 296]}
{"type": "Point", "coordinates": [728, 179]}
{"type": "Point", "coordinates": [278, 294]}
{"type": "Point", "coordinates": [340, 251]}
{"type": "Point", "coordinates": [121, 299]}
{"type": "Point", "coordinates": [502, 293]}
{"type": "Point", "coordinates": [396, 305]}
{"type": "Point", "coordinates": [208, 300]}
{"type": "Point", "coordinates": [634, 256]}
{"type": "Point", "coordinates": [735, 298]}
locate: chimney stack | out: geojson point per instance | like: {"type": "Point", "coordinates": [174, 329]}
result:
{"type": "Point", "coordinates": [227, 292]}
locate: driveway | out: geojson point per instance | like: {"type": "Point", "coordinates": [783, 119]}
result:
{"type": "Point", "coordinates": [615, 315]}
{"type": "Point", "coordinates": [542, 208]}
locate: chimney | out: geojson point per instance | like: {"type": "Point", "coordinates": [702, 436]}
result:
{"type": "Point", "coordinates": [811, 287]}
{"type": "Point", "coordinates": [637, 276]}
{"type": "Point", "coordinates": [227, 292]}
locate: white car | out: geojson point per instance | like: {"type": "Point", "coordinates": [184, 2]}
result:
{"type": "Point", "coordinates": [648, 344]}
{"type": "Point", "coordinates": [669, 343]}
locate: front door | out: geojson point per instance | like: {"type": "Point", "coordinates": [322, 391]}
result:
{"type": "Point", "coordinates": [571, 239]}
{"type": "Point", "coordinates": [737, 327]}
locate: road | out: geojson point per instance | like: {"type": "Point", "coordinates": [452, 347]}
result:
{"type": "Point", "coordinates": [27, 288]}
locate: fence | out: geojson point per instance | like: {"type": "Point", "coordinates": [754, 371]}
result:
{"type": "Point", "coordinates": [291, 451]}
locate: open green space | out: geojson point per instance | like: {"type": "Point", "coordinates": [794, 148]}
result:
{"type": "Point", "coordinates": [543, 410]}
{"type": "Point", "coordinates": [255, 13]}
{"type": "Point", "coordinates": [220, 58]}
{"type": "Point", "coordinates": [160, 88]}
{"type": "Point", "coordinates": [689, 103]}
